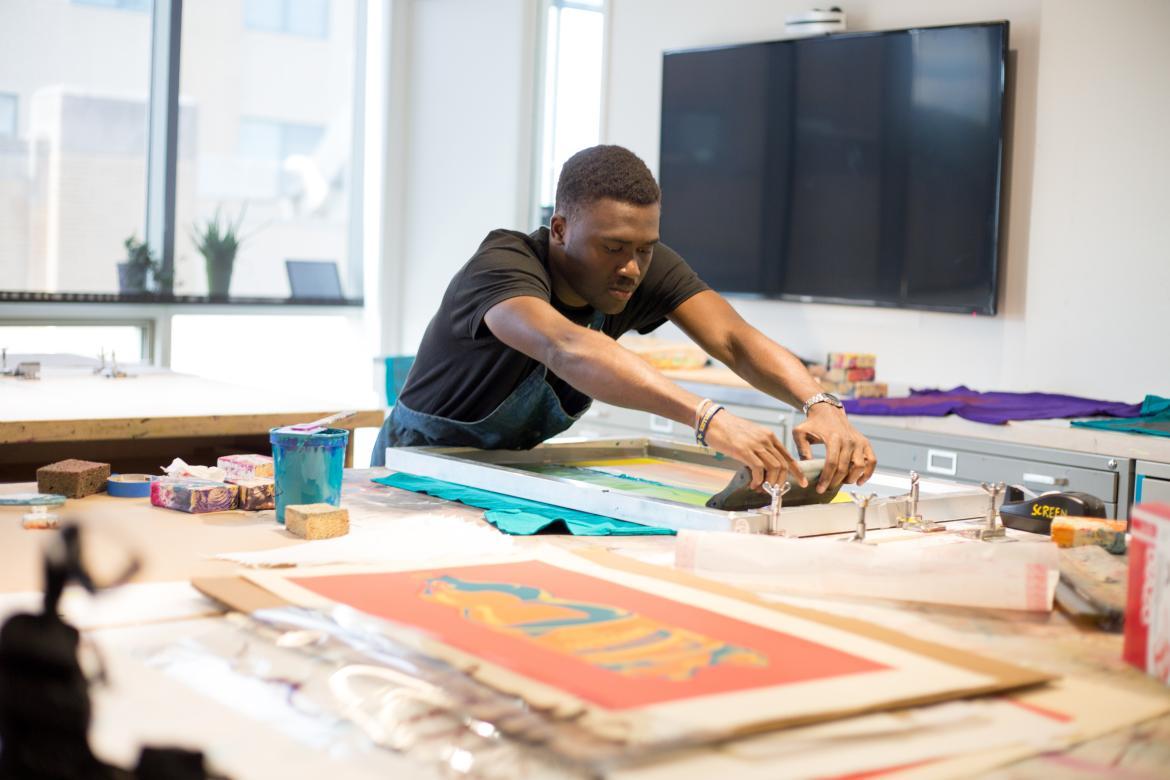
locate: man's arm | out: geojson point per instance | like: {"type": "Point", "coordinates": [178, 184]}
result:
{"type": "Point", "coordinates": [598, 366]}
{"type": "Point", "coordinates": [711, 322]}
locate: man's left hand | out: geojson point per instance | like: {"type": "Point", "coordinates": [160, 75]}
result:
{"type": "Point", "coordinates": [848, 456]}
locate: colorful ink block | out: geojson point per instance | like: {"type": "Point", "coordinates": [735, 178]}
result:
{"type": "Point", "coordinates": [870, 390]}
{"type": "Point", "coordinates": [238, 467]}
{"type": "Point", "coordinates": [256, 494]}
{"type": "Point", "coordinates": [196, 496]}
{"type": "Point", "coordinates": [850, 374]}
{"type": "Point", "coordinates": [851, 360]}
{"type": "Point", "coordinates": [73, 478]}
{"type": "Point", "coordinates": [316, 521]}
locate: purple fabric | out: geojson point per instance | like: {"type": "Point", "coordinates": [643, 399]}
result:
{"type": "Point", "coordinates": [995, 408]}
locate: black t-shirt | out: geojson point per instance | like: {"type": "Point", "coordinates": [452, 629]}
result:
{"type": "Point", "coordinates": [463, 372]}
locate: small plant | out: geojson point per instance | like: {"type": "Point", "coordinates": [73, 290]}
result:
{"type": "Point", "coordinates": [139, 270]}
{"type": "Point", "coordinates": [218, 241]}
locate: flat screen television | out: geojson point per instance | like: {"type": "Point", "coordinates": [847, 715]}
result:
{"type": "Point", "coordinates": [848, 168]}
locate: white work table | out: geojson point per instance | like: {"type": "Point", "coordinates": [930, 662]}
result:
{"type": "Point", "coordinates": [145, 703]}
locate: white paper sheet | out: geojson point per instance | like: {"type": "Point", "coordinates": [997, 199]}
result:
{"type": "Point", "coordinates": [1019, 576]}
{"type": "Point", "coordinates": [386, 539]}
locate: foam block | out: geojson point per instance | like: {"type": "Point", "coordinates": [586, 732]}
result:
{"type": "Point", "coordinates": [316, 521]}
{"type": "Point", "coordinates": [238, 467]}
{"type": "Point", "coordinates": [73, 478]}
{"type": "Point", "coordinates": [257, 493]}
{"type": "Point", "coordinates": [196, 496]}
{"type": "Point", "coordinates": [1079, 531]}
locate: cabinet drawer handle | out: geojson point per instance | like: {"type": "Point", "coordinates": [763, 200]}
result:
{"type": "Point", "coordinates": [661, 424]}
{"type": "Point", "coordinates": [1044, 479]}
{"type": "Point", "coordinates": [942, 462]}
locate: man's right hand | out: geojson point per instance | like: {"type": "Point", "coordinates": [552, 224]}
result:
{"type": "Point", "coordinates": [755, 446]}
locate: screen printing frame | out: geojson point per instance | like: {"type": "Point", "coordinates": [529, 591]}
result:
{"type": "Point", "coordinates": [492, 470]}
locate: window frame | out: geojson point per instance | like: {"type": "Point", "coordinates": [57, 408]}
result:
{"type": "Point", "coordinates": [153, 312]}
{"type": "Point", "coordinates": [162, 173]}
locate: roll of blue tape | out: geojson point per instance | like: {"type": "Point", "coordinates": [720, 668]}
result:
{"type": "Point", "coordinates": [129, 485]}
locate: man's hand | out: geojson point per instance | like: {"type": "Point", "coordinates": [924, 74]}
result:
{"type": "Point", "coordinates": [755, 446]}
{"type": "Point", "coordinates": [848, 456]}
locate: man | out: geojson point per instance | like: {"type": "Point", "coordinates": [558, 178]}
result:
{"type": "Point", "coordinates": [524, 338]}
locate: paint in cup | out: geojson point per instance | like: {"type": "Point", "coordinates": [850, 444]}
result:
{"type": "Point", "coordinates": [308, 467]}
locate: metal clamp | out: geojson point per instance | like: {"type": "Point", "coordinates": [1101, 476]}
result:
{"type": "Point", "coordinates": [777, 493]}
{"type": "Point", "coordinates": [862, 506]}
{"type": "Point", "coordinates": [992, 531]}
{"type": "Point", "coordinates": [912, 521]}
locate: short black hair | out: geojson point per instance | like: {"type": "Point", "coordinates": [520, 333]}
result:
{"type": "Point", "coordinates": [605, 171]}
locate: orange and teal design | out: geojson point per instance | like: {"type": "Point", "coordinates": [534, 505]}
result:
{"type": "Point", "coordinates": [612, 645]}
{"type": "Point", "coordinates": [612, 638]}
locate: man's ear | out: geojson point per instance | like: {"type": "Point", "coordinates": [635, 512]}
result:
{"type": "Point", "coordinates": [556, 229]}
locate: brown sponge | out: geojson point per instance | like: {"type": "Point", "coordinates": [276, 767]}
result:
{"type": "Point", "coordinates": [316, 521]}
{"type": "Point", "coordinates": [73, 478]}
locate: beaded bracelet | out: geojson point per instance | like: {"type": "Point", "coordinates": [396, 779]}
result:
{"type": "Point", "coordinates": [705, 423]}
{"type": "Point", "coordinates": [702, 407]}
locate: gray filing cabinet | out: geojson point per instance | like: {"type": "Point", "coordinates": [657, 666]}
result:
{"type": "Point", "coordinates": [1151, 482]}
{"type": "Point", "coordinates": [967, 459]}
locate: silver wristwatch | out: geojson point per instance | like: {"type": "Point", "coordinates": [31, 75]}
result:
{"type": "Point", "coordinates": [819, 398]}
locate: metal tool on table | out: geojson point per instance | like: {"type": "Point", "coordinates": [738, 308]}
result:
{"type": "Point", "coordinates": [912, 520]}
{"type": "Point", "coordinates": [316, 426]}
{"type": "Point", "coordinates": [740, 496]}
{"type": "Point", "coordinates": [862, 507]}
{"type": "Point", "coordinates": [777, 493]}
{"type": "Point", "coordinates": [991, 531]}
{"type": "Point", "coordinates": [1035, 513]}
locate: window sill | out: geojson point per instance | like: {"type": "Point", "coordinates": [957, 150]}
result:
{"type": "Point", "coordinates": [17, 296]}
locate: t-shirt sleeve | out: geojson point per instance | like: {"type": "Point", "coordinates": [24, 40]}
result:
{"type": "Point", "coordinates": [670, 283]}
{"type": "Point", "coordinates": [495, 274]}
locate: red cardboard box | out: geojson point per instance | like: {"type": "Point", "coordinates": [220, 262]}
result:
{"type": "Point", "coordinates": [1147, 610]}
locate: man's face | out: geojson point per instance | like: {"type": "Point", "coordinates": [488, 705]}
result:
{"type": "Point", "coordinates": [602, 253]}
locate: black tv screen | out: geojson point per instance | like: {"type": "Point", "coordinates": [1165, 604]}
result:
{"type": "Point", "coordinates": [848, 168]}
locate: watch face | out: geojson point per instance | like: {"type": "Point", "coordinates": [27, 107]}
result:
{"type": "Point", "coordinates": [834, 400]}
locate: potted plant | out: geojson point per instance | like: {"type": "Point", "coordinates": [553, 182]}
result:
{"type": "Point", "coordinates": [135, 272]}
{"type": "Point", "coordinates": [218, 241]}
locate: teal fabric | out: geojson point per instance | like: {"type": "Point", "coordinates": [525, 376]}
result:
{"type": "Point", "coordinates": [1154, 419]}
{"type": "Point", "coordinates": [519, 516]}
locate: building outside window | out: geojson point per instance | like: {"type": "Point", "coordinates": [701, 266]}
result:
{"type": "Point", "coordinates": [573, 73]}
{"type": "Point", "coordinates": [121, 5]}
{"type": "Point", "coordinates": [309, 18]}
{"type": "Point", "coordinates": [272, 144]}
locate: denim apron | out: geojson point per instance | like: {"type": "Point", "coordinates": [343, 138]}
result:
{"type": "Point", "coordinates": [531, 414]}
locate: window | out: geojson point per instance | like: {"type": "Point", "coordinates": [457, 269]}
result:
{"type": "Point", "coordinates": [263, 139]}
{"type": "Point", "coordinates": [573, 68]}
{"type": "Point", "coordinates": [73, 163]}
{"type": "Point", "coordinates": [7, 115]}
{"type": "Point", "coordinates": [308, 18]}
{"type": "Point", "coordinates": [123, 5]}
{"type": "Point", "coordinates": [274, 152]}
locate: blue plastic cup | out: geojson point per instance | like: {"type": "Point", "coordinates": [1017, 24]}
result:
{"type": "Point", "coordinates": [308, 467]}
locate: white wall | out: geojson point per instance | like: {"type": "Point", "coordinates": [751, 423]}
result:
{"type": "Point", "coordinates": [467, 158]}
{"type": "Point", "coordinates": [1083, 307]}
{"type": "Point", "coordinates": [1086, 219]}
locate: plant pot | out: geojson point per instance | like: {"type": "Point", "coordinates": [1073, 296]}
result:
{"type": "Point", "coordinates": [219, 279]}
{"type": "Point", "coordinates": [131, 278]}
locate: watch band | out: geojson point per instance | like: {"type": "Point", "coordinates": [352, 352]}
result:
{"type": "Point", "coordinates": [825, 398]}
